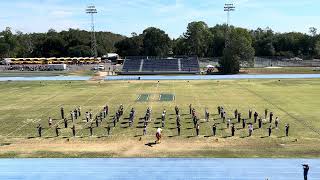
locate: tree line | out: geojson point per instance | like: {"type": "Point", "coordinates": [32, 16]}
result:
{"type": "Point", "coordinates": [198, 40]}
{"type": "Point", "coordinates": [204, 41]}
{"type": "Point", "coordinates": [70, 43]}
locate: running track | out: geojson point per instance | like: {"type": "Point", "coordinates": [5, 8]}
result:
{"type": "Point", "coordinates": [195, 77]}
{"type": "Point", "coordinates": [158, 169]}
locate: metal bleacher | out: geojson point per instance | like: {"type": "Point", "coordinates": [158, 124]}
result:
{"type": "Point", "coordinates": [147, 65]}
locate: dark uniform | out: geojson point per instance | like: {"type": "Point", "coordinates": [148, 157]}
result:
{"type": "Point", "coordinates": [90, 115]}
{"type": "Point", "coordinates": [62, 113]}
{"type": "Point", "coordinates": [179, 129]}
{"type": "Point", "coordinates": [270, 130]}
{"type": "Point", "coordinates": [73, 131]}
{"type": "Point", "coordinates": [287, 129]}
{"type": "Point", "coordinates": [57, 130]}
{"type": "Point", "coordinates": [198, 129]}
{"type": "Point", "coordinates": [65, 123]}
{"type": "Point", "coordinates": [305, 171]}
{"type": "Point", "coordinates": [243, 123]}
{"type": "Point", "coordinates": [233, 129]}
{"type": "Point", "coordinates": [250, 114]}
{"type": "Point", "coordinates": [239, 117]}
{"type": "Point", "coordinates": [39, 127]}
{"type": "Point", "coordinates": [91, 130]}
{"type": "Point", "coordinates": [76, 113]}
{"type": "Point", "coordinates": [190, 109]}
{"type": "Point", "coordinates": [177, 110]}
{"type": "Point", "coordinates": [108, 130]}
{"type": "Point", "coordinates": [265, 113]}
{"type": "Point", "coordinates": [87, 116]}
{"type": "Point", "coordinates": [271, 117]}
{"type": "Point", "coordinates": [178, 120]}
{"type": "Point", "coordinates": [101, 116]}
{"type": "Point", "coordinates": [260, 123]}
{"type": "Point", "coordinates": [97, 122]}
{"type": "Point", "coordinates": [214, 129]}
{"type": "Point", "coordinates": [236, 113]}
{"type": "Point", "coordinates": [114, 121]}
{"type": "Point", "coordinates": [255, 117]}
{"type": "Point", "coordinates": [107, 109]}
{"type": "Point", "coordinates": [276, 122]}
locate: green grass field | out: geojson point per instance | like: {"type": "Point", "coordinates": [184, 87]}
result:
{"type": "Point", "coordinates": [23, 105]}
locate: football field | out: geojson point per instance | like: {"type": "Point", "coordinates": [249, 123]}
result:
{"type": "Point", "coordinates": [24, 105]}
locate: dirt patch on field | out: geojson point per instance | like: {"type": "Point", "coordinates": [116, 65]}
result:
{"type": "Point", "coordinates": [201, 147]}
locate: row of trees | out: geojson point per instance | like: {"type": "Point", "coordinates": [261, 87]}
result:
{"type": "Point", "coordinates": [198, 40]}
{"type": "Point", "coordinates": [71, 43]}
{"type": "Point", "coordinates": [204, 41]}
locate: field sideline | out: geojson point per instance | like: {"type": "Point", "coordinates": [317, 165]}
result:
{"type": "Point", "coordinates": [23, 105]}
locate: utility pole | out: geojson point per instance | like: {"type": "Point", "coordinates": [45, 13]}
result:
{"type": "Point", "coordinates": [92, 10]}
{"type": "Point", "coordinates": [228, 8]}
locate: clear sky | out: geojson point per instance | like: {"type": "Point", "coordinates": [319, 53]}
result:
{"type": "Point", "coordinates": [127, 16]}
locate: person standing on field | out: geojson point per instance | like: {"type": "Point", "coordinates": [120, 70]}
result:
{"type": "Point", "coordinates": [255, 117]}
{"type": "Point", "coordinates": [260, 123]}
{"type": "Point", "coordinates": [276, 122]}
{"type": "Point", "coordinates": [239, 117]}
{"type": "Point", "coordinates": [224, 115]}
{"type": "Point", "coordinates": [91, 129]}
{"type": "Point", "coordinates": [50, 121]}
{"type": "Point", "coordinates": [65, 123]}
{"type": "Point", "coordinates": [39, 127]}
{"type": "Point", "coordinates": [57, 130]}
{"type": "Point", "coordinates": [287, 129]}
{"type": "Point", "coordinates": [75, 113]}
{"type": "Point", "coordinates": [250, 114]}
{"type": "Point", "coordinates": [87, 116]}
{"type": "Point", "coordinates": [250, 127]}
{"type": "Point", "coordinates": [72, 115]}
{"type": "Point", "coordinates": [233, 129]}
{"type": "Point", "coordinates": [108, 129]}
{"type": "Point", "coordinates": [243, 123]}
{"type": "Point", "coordinates": [79, 111]}
{"type": "Point", "coordinates": [62, 112]}
{"type": "Point", "coordinates": [74, 130]}
{"type": "Point", "coordinates": [270, 130]}
{"type": "Point", "coordinates": [179, 129]}
{"type": "Point", "coordinates": [214, 129]}
{"type": "Point", "coordinates": [145, 130]}
{"type": "Point", "coordinates": [271, 117]}
{"type": "Point", "coordinates": [305, 171]}
{"type": "Point", "coordinates": [190, 109]}
{"type": "Point", "coordinates": [236, 114]}
{"type": "Point", "coordinates": [198, 129]}
{"type": "Point", "coordinates": [265, 113]}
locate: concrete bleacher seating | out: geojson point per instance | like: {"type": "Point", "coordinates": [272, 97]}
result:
{"type": "Point", "coordinates": [160, 65]}
{"type": "Point", "coordinates": [147, 65]}
{"type": "Point", "coordinates": [190, 64]}
{"type": "Point", "coordinates": [132, 65]}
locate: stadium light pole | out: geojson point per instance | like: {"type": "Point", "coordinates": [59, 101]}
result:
{"type": "Point", "coordinates": [91, 10]}
{"type": "Point", "coordinates": [228, 8]}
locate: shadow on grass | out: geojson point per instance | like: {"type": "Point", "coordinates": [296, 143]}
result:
{"type": "Point", "coordinates": [151, 144]}
{"type": "Point", "coordinates": [31, 137]}
{"type": "Point", "coordinates": [225, 137]}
